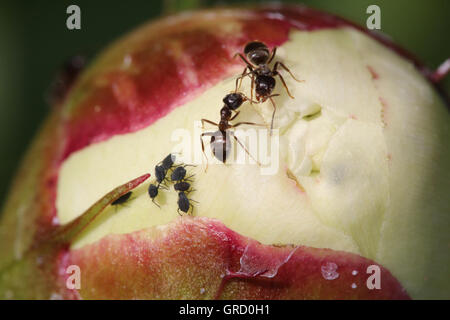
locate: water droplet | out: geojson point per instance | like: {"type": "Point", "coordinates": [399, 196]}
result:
{"type": "Point", "coordinates": [354, 286]}
{"type": "Point", "coordinates": [329, 271]}
{"type": "Point", "coordinates": [127, 61]}
{"type": "Point", "coordinates": [202, 290]}
{"type": "Point", "coordinates": [354, 272]}
{"type": "Point", "coordinates": [55, 221]}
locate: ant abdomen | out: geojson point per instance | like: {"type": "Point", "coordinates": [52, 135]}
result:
{"type": "Point", "coordinates": [220, 145]}
{"type": "Point", "coordinates": [264, 85]}
{"type": "Point", "coordinates": [257, 52]}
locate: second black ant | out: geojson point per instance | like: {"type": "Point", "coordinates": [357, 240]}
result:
{"type": "Point", "coordinates": [219, 142]}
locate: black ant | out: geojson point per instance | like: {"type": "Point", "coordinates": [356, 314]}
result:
{"type": "Point", "coordinates": [122, 199]}
{"type": "Point", "coordinates": [219, 139]}
{"type": "Point", "coordinates": [179, 174]}
{"type": "Point", "coordinates": [184, 203]}
{"type": "Point", "coordinates": [262, 77]}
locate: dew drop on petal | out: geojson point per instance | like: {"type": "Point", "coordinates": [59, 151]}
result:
{"type": "Point", "coordinates": [329, 271]}
{"type": "Point", "coordinates": [354, 272]}
{"type": "Point", "coordinates": [354, 285]}
{"type": "Point", "coordinates": [202, 290]}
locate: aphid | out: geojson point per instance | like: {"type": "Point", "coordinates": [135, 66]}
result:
{"type": "Point", "coordinates": [179, 173]}
{"type": "Point", "coordinates": [153, 192]}
{"type": "Point", "coordinates": [220, 145]}
{"type": "Point", "coordinates": [122, 199]}
{"type": "Point", "coordinates": [184, 203]}
{"type": "Point", "coordinates": [160, 173]}
{"type": "Point", "coordinates": [168, 161]}
{"type": "Point", "coordinates": [164, 166]}
{"type": "Point", "coordinates": [182, 186]}
{"type": "Point", "coordinates": [257, 62]}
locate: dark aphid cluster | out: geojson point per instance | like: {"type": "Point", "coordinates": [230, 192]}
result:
{"type": "Point", "coordinates": [167, 172]}
{"type": "Point", "coordinates": [161, 170]}
{"type": "Point", "coordinates": [257, 59]}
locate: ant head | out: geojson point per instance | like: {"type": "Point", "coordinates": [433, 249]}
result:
{"type": "Point", "coordinates": [264, 85]}
{"type": "Point", "coordinates": [257, 52]}
{"type": "Point", "coordinates": [233, 100]}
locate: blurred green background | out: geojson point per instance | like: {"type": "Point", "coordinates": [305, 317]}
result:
{"type": "Point", "coordinates": [34, 42]}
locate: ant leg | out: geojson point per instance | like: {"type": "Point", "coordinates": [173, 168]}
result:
{"type": "Point", "coordinates": [241, 77]}
{"type": "Point", "coordinates": [208, 121]}
{"type": "Point", "coordinates": [239, 80]}
{"type": "Point", "coordinates": [284, 84]}
{"type": "Point", "coordinates": [237, 113]}
{"type": "Point", "coordinates": [278, 63]}
{"type": "Point", "coordinates": [248, 99]}
{"type": "Point", "coordinates": [243, 147]}
{"type": "Point", "coordinates": [273, 114]}
{"type": "Point", "coordinates": [249, 65]}
{"type": "Point", "coordinates": [203, 146]}
{"type": "Point", "coordinates": [249, 123]}
{"type": "Point", "coordinates": [274, 51]}
{"type": "Point", "coordinates": [251, 88]}
{"type": "Point", "coordinates": [178, 210]}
